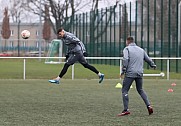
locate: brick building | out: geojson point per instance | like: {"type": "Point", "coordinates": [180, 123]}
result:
{"type": "Point", "coordinates": [26, 45]}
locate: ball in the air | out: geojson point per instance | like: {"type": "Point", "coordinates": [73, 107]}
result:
{"type": "Point", "coordinates": [25, 34]}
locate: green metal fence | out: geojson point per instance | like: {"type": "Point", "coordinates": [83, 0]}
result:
{"type": "Point", "coordinates": [153, 23]}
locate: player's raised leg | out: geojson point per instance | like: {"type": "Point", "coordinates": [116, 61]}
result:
{"type": "Point", "coordinates": [92, 68]}
{"type": "Point", "coordinates": [84, 62]}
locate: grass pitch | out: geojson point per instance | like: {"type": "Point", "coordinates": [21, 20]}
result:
{"type": "Point", "coordinates": [13, 69]}
{"type": "Point", "coordinates": [85, 103]}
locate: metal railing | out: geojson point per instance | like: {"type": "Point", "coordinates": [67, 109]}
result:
{"type": "Point", "coordinates": [100, 58]}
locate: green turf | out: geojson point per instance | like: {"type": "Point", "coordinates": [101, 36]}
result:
{"type": "Point", "coordinates": [85, 103]}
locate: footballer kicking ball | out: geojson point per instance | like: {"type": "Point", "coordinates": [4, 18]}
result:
{"type": "Point", "coordinates": [25, 34]}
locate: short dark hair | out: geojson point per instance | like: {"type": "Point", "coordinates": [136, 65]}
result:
{"type": "Point", "coordinates": [131, 39]}
{"type": "Point", "coordinates": [59, 30]}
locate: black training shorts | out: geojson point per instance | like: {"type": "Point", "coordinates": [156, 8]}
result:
{"type": "Point", "coordinates": [78, 56]}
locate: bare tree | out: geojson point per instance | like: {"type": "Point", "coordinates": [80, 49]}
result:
{"type": "Point", "coordinates": [15, 10]}
{"type": "Point", "coordinates": [59, 11]}
{"type": "Point", "coordinates": [95, 4]}
{"type": "Point", "coordinates": [18, 12]}
{"type": "Point", "coordinates": [46, 25]}
{"type": "Point", "coordinates": [96, 18]}
{"type": "Point", "coordinates": [124, 22]}
{"type": "Point", "coordinates": [5, 26]}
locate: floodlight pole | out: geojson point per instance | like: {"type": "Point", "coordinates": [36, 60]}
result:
{"type": "Point", "coordinates": [19, 37]}
{"type": "Point", "coordinates": [40, 31]}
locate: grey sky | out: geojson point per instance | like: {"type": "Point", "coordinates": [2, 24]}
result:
{"type": "Point", "coordinates": [102, 4]}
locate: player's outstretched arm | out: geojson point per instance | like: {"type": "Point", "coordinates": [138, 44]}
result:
{"type": "Point", "coordinates": [125, 60]}
{"type": "Point", "coordinates": [149, 60]}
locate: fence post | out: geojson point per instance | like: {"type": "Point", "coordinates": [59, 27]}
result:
{"type": "Point", "coordinates": [110, 43]}
{"type": "Point", "coordinates": [79, 26]}
{"type": "Point", "coordinates": [114, 40]}
{"type": "Point", "coordinates": [106, 34]}
{"type": "Point", "coordinates": [179, 20]}
{"type": "Point", "coordinates": [148, 29]}
{"type": "Point", "coordinates": [120, 26]}
{"type": "Point", "coordinates": [155, 28]}
{"type": "Point", "coordinates": [136, 20]}
{"type": "Point", "coordinates": [86, 29]}
{"type": "Point", "coordinates": [130, 19]}
{"type": "Point", "coordinates": [178, 34]}
{"type": "Point", "coordinates": [125, 23]}
{"type": "Point", "coordinates": [142, 23]}
{"type": "Point", "coordinates": [168, 69]}
{"type": "Point", "coordinates": [161, 34]}
{"type": "Point", "coordinates": [83, 28]}
{"type": "Point", "coordinates": [169, 28]}
{"type": "Point", "coordinates": [24, 69]}
{"type": "Point", "coordinates": [102, 46]}
{"type": "Point", "coordinates": [120, 67]}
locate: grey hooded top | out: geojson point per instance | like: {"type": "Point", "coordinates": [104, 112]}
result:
{"type": "Point", "coordinates": [73, 43]}
{"type": "Point", "coordinates": [133, 60]}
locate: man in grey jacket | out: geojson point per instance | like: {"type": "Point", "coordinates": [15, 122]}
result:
{"type": "Point", "coordinates": [133, 61]}
{"type": "Point", "coordinates": [76, 52]}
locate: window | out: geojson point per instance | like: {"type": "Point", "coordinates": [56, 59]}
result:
{"type": "Point", "coordinates": [12, 32]}
{"type": "Point", "coordinates": [37, 44]}
{"type": "Point", "coordinates": [37, 33]}
{"type": "Point", "coordinates": [11, 44]}
{"type": "Point", "coordinates": [24, 44]}
{"type": "Point", "coordinates": [87, 34]}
